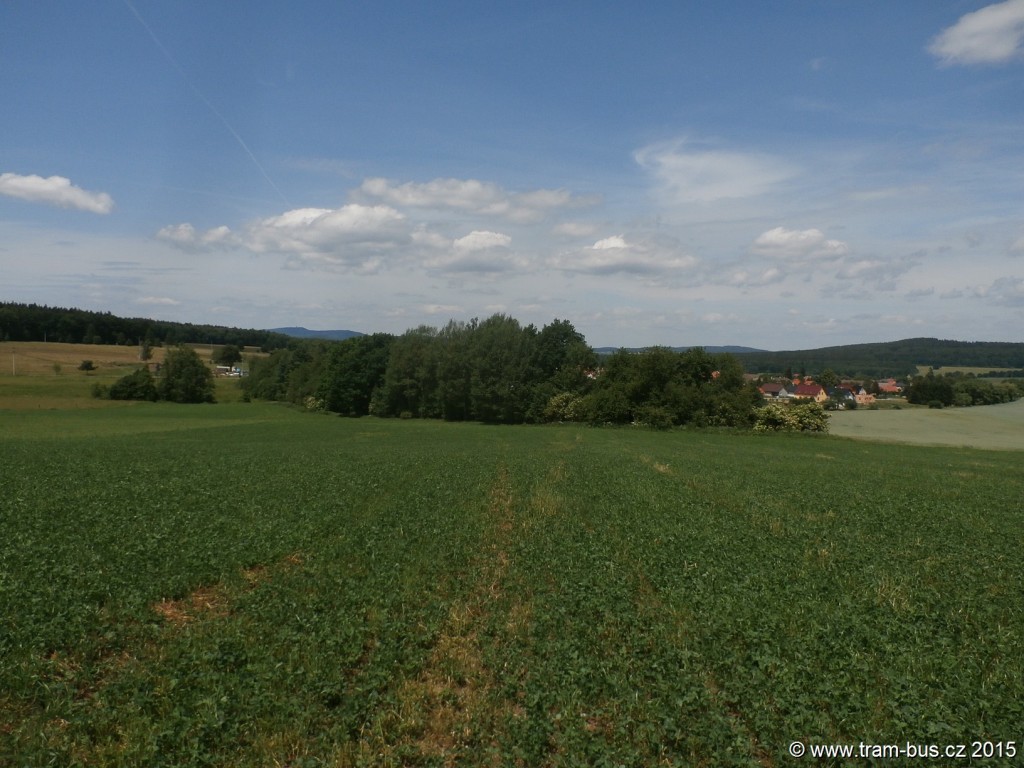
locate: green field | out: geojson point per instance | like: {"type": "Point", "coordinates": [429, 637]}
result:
{"type": "Point", "coordinates": [993, 427]}
{"type": "Point", "coordinates": [251, 585]}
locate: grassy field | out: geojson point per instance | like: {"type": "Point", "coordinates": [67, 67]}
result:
{"type": "Point", "coordinates": [250, 585]}
{"type": "Point", "coordinates": [995, 427]}
{"type": "Point", "coordinates": [45, 375]}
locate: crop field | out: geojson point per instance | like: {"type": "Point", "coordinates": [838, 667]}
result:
{"type": "Point", "coordinates": [251, 585]}
{"type": "Point", "coordinates": [993, 427]}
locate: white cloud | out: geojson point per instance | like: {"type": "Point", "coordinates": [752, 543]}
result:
{"type": "Point", "coordinates": [353, 237]}
{"type": "Point", "coordinates": [1018, 247]}
{"type": "Point", "coordinates": [615, 255]}
{"type": "Point", "coordinates": [479, 251]}
{"type": "Point", "coordinates": [694, 175]}
{"type": "Point", "coordinates": [992, 35]}
{"type": "Point", "coordinates": [474, 196]}
{"type": "Point", "coordinates": [615, 241]}
{"type": "Point", "coordinates": [798, 245]}
{"type": "Point", "coordinates": [54, 190]}
{"type": "Point", "coordinates": [185, 236]}
{"type": "Point", "coordinates": [157, 301]}
{"type": "Point", "coordinates": [479, 240]}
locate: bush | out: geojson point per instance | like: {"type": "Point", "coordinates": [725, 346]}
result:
{"type": "Point", "coordinates": [86, 365]}
{"type": "Point", "coordinates": [137, 385]}
{"type": "Point", "coordinates": [565, 406]}
{"type": "Point", "coordinates": [655, 417]}
{"type": "Point", "coordinates": [806, 417]}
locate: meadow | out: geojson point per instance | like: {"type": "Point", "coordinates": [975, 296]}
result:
{"type": "Point", "coordinates": [993, 427]}
{"type": "Point", "coordinates": [253, 585]}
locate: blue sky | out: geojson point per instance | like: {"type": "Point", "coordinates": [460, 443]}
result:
{"type": "Point", "coordinates": [781, 175]}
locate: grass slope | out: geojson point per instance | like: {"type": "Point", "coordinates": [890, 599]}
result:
{"type": "Point", "coordinates": [250, 585]}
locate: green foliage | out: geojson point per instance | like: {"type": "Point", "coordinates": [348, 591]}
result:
{"type": "Point", "coordinates": [353, 371]}
{"type": "Point", "coordinates": [663, 388]}
{"type": "Point", "coordinates": [185, 378]}
{"type": "Point", "coordinates": [86, 365]}
{"type": "Point", "coordinates": [798, 417]}
{"type": "Point", "coordinates": [565, 406]}
{"type": "Point", "coordinates": [930, 388]}
{"type": "Point", "coordinates": [959, 390]}
{"type": "Point", "coordinates": [138, 385]}
{"type": "Point", "coordinates": [228, 354]}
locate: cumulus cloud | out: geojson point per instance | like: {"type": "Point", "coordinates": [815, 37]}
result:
{"type": "Point", "coordinates": [185, 236]}
{"type": "Point", "coordinates": [353, 237]}
{"type": "Point", "coordinates": [991, 35]}
{"type": "Point", "coordinates": [477, 241]}
{"type": "Point", "coordinates": [54, 190]}
{"type": "Point", "coordinates": [479, 251]}
{"type": "Point", "coordinates": [798, 245]}
{"type": "Point", "coordinates": [616, 255]}
{"type": "Point", "coordinates": [691, 174]}
{"type": "Point", "coordinates": [472, 195]}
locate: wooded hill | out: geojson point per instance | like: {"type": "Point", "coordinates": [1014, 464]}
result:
{"type": "Point", "coordinates": [34, 322]}
{"type": "Point", "coordinates": [892, 358]}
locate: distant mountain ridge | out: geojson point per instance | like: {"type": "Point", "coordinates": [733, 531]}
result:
{"type": "Point", "coordinates": [299, 332]}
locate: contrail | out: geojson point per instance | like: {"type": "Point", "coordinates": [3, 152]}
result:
{"type": "Point", "coordinates": [206, 101]}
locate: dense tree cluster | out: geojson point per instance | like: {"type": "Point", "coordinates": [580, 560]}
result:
{"type": "Point", "coordinates": [499, 371]}
{"type": "Point", "coordinates": [957, 389]}
{"type": "Point", "coordinates": [184, 378]}
{"type": "Point", "coordinates": [33, 322]}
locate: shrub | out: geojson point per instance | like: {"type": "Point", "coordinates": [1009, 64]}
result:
{"type": "Point", "coordinates": [655, 417]}
{"type": "Point", "coordinates": [565, 406]}
{"type": "Point", "coordinates": [137, 385]}
{"type": "Point", "coordinates": [806, 417]}
{"type": "Point", "coordinates": [87, 365]}
{"type": "Point", "coordinates": [774, 417]}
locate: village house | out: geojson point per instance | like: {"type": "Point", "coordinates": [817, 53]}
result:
{"type": "Point", "coordinates": [814, 392]}
{"type": "Point", "coordinates": [772, 391]}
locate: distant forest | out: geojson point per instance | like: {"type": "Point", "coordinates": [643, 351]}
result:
{"type": "Point", "coordinates": [34, 322]}
{"type": "Point", "coordinates": [899, 359]}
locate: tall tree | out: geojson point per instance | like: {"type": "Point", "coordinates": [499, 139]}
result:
{"type": "Point", "coordinates": [185, 378]}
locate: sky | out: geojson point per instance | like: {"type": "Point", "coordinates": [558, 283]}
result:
{"type": "Point", "coordinates": [783, 175]}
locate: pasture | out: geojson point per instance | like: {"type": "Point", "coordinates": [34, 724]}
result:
{"type": "Point", "coordinates": [251, 585]}
{"type": "Point", "coordinates": [45, 375]}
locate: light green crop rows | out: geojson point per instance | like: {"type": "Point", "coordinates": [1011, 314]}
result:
{"type": "Point", "coordinates": [249, 585]}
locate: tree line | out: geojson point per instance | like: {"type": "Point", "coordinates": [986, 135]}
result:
{"type": "Point", "coordinates": [939, 391]}
{"type": "Point", "coordinates": [34, 322]}
{"type": "Point", "coordinates": [499, 371]}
